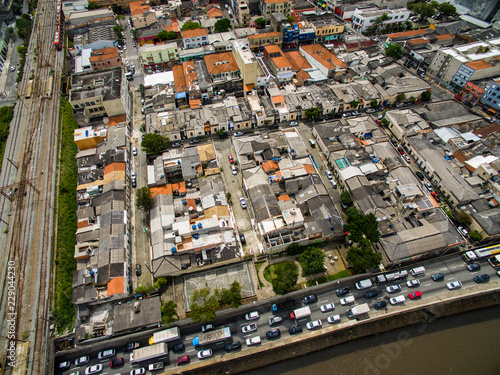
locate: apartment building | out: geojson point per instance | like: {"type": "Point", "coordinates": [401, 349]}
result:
{"type": "Point", "coordinates": [366, 18]}
{"type": "Point", "coordinates": [194, 38]}
{"type": "Point", "coordinates": [159, 55]}
{"type": "Point", "coordinates": [267, 7]}
{"type": "Point", "coordinates": [105, 58]}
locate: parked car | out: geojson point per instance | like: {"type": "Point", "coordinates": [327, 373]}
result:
{"type": "Point", "coordinates": [249, 328]}
{"type": "Point", "coordinates": [133, 175]}
{"type": "Point", "coordinates": [342, 291]}
{"type": "Point", "coordinates": [82, 360]}
{"type": "Point", "coordinates": [414, 295]}
{"type": "Point", "coordinates": [106, 354]}
{"type": "Point", "coordinates": [370, 110]}
{"type": "Point", "coordinates": [437, 276]}
{"type": "Point", "coordinates": [473, 267]}
{"type": "Point", "coordinates": [233, 170]}
{"type": "Point", "coordinates": [238, 134]}
{"type": "Point", "coordinates": [243, 203]}
{"type": "Point", "coordinates": [93, 369]}
{"type": "Point", "coordinates": [355, 113]}
{"type": "Point", "coordinates": [293, 123]}
{"type": "Point", "coordinates": [252, 315]}
{"type": "Point", "coordinates": [454, 285]}
{"type": "Point", "coordinates": [310, 299]}
{"type": "Point", "coordinates": [413, 283]}
{"type": "Point", "coordinates": [463, 231]}
{"type": "Point", "coordinates": [193, 141]}
{"type": "Point", "coordinates": [183, 359]}
{"type": "Point", "coordinates": [138, 271]}
{"type": "Point", "coordinates": [205, 353]}
{"type": "Point", "coordinates": [435, 196]}
{"type": "Point", "coordinates": [207, 327]}
{"type": "Point", "coordinates": [273, 333]}
{"type": "Point", "coordinates": [117, 362]}
{"type": "Point", "coordinates": [420, 175]}
{"type": "Point", "coordinates": [407, 158]}
{"type": "Point", "coordinates": [346, 114]}
{"type": "Point", "coordinates": [484, 278]}
{"type": "Point", "coordinates": [134, 151]}
{"type": "Point", "coordinates": [134, 183]}
{"type": "Point", "coordinates": [333, 319]}
{"type": "Point", "coordinates": [327, 307]}
{"type": "Point", "coordinates": [138, 371]}
{"type": "Point", "coordinates": [371, 294]}
{"type": "Point", "coordinates": [178, 348]}
{"type": "Point", "coordinates": [393, 288]}
{"type": "Point", "coordinates": [329, 174]}
{"type": "Point", "coordinates": [242, 239]}
{"type": "Point", "coordinates": [294, 330]}
{"type": "Point", "coordinates": [314, 324]}
{"type": "Point", "coordinates": [64, 365]}
{"type": "Point", "coordinates": [397, 300]}
{"type": "Point", "coordinates": [428, 186]}
{"type": "Point", "coordinates": [231, 160]}
{"type": "Point", "coordinates": [232, 346]}
{"type": "Point", "coordinates": [380, 305]}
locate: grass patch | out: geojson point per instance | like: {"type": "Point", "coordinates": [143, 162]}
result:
{"type": "Point", "coordinates": [325, 279]}
{"type": "Point", "coordinates": [269, 271]}
{"type": "Point", "coordinates": [6, 114]}
{"type": "Point", "coordinates": [283, 276]}
{"type": "Point", "coordinates": [257, 268]}
{"type": "Point", "coordinates": [64, 312]}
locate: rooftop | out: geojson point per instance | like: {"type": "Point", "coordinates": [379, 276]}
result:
{"type": "Point", "coordinates": [221, 62]}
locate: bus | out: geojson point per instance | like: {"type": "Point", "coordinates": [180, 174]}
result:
{"type": "Point", "coordinates": [29, 89]}
{"type": "Point", "coordinates": [48, 89]}
{"type": "Point", "coordinates": [488, 251]}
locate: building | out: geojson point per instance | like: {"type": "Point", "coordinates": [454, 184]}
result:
{"type": "Point", "coordinates": [329, 29]}
{"type": "Point", "coordinates": [242, 12]}
{"type": "Point", "coordinates": [159, 55]}
{"type": "Point", "coordinates": [267, 7]}
{"type": "Point", "coordinates": [142, 15]}
{"type": "Point", "coordinates": [194, 38]}
{"type": "Point", "coordinates": [105, 58]}
{"type": "Point", "coordinates": [259, 41]}
{"type": "Point", "coordinates": [363, 19]}
{"type": "Point", "coordinates": [325, 61]}
{"type": "Point", "coordinates": [491, 97]}
{"type": "Point", "coordinates": [247, 62]}
{"type": "Point", "coordinates": [300, 7]}
{"type": "Point", "coordinates": [224, 72]}
{"type": "Point", "coordinates": [474, 70]}
{"type": "Point", "coordinates": [278, 62]}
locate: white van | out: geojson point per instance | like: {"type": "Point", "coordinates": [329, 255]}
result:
{"type": "Point", "coordinates": [417, 271]}
{"type": "Point", "coordinates": [312, 143]}
{"type": "Point", "coordinates": [363, 284]}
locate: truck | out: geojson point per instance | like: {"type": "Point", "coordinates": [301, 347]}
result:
{"type": "Point", "coordinates": [211, 337]}
{"type": "Point", "coordinates": [167, 335]}
{"type": "Point", "coordinates": [363, 284]}
{"type": "Point", "coordinates": [300, 313]}
{"type": "Point", "coordinates": [149, 352]}
{"type": "Point", "coordinates": [283, 306]}
{"type": "Point", "coordinates": [357, 310]}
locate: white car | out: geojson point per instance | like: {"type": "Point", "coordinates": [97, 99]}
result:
{"type": "Point", "coordinates": [93, 369]}
{"type": "Point", "coordinates": [413, 283]}
{"type": "Point", "coordinates": [252, 316]}
{"type": "Point", "coordinates": [393, 288]}
{"type": "Point", "coordinates": [205, 353]}
{"type": "Point", "coordinates": [347, 300]}
{"type": "Point", "coordinates": [329, 174]}
{"type": "Point", "coordinates": [327, 307]}
{"type": "Point", "coordinates": [12, 68]}
{"type": "Point", "coordinates": [333, 319]}
{"type": "Point", "coordinates": [249, 328]}
{"type": "Point", "coordinates": [134, 151]}
{"type": "Point", "coordinates": [138, 371]}
{"type": "Point", "coordinates": [454, 285]}
{"type": "Point", "coordinates": [314, 324]}
{"type": "Point", "coordinates": [82, 360]}
{"type": "Point", "coordinates": [396, 300]}
{"type": "Point", "coordinates": [243, 203]}
{"type": "Point", "coordinates": [233, 170]}
{"type": "Point", "coordinates": [107, 353]}
{"type": "Point", "coordinates": [253, 341]}
{"type": "Point", "coordinates": [133, 176]}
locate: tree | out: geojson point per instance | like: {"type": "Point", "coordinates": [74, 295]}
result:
{"type": "Point", "coordinates": [92, 6]}
{"type": "Point", "coordinates": [222, 25]}
{"type": "Point", "coordinates": [285, 277]}
{"type": "Point", "coordinates": [190, 25]}
{"type": "Point", "coordinates": [312, 113]}
{"type": "Point", "coordinates": [426, 96]}
{"type": "Point", "coordinates": [203, 306]}
{"type": "Point", "coordinates": [166, 35]}
{"type": "Point", "coordinates": [260, 22]}
{"type": "Point", "coordinates": [23, 26]}
{"type": "Point", "coordinates": [231, 296]}
{"type": "Point", "coordinates": [363, 258]}
{"type": "Point", "coordinates": [346, 198]}
{"type": "Point", "coordinates": [374, 103]}
{"type": "Point", "coordinates": [354, 103]}
{"type": "Point", "coordinates": [401, 97]}
{"type": "Point", "coordinates": [312, 260]}
{"type": "Point", "coordinates": [160, 282]}
{"type": "Point", "coordinates": [153, 144]}
{"type": "Point", "coordinates": [464, 218]}
{"type": "Point", "coordinates": [361, 226]}
{"type": "Point", "coordinates": [290, 19]}
{"type": "Point", "coordinates": [143, 199]}
{"type": "Point", "coordinates": [168, 311]}
{"type": "Point", "coordinates": [475, 236]}
{"type": "Point", "coordinates": [447, 9]}
{"type": "Point", "coordinates": [424, 10]}
{"type": "Point", "coordinates": [394, 50]}
{"type": "Point", "coordinates": [384, 121]}
{"type": "Point", "coordinates": [228, 196]}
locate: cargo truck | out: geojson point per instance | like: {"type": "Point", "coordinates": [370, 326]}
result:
{"type": "Point", "coordinates": [167, 335]}
{"type": "Point", "coordinates": [357, 310]}
{"type": "Point", "coordinates": [149, 352]}
{"type": "Point", "coordinates": [283, 306]}
{"type": "Point", "coordinates": [211, 337]}
{"type": "Point", "coordinates": [300, 313]}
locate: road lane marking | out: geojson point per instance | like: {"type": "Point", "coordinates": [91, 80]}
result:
{"type": "Point", "coordinates": [443, 269]}
{"type": "Point", "coordinates": [451, 278]}
{"type": "Point", "coordinates": [325, 301]}
{"type": "Point", "coordinates": [189, 351]}
{"type": "Point", "coordinates": [427, 284]}
{"type": "Point", "coordinates": [189, 337]}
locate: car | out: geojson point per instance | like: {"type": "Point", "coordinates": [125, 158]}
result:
{"type": "Point", "coordinates": [253, 341]}
{"type": "Point", "coordinates": [106, 354]}
{"type": "Point", "coordinates": [397, 300]}
{"type": "Point", "coordinates": [420, 175]}
{"type": "Point", "coordinates": [428, 186]}
{"type": "Point", "coordinates": [134, 44]}
{"type": "Point", "coordinates": [370, 110]}
{"type": "Point", "coordinates": [412, 283]}
{"type": "Point", "coordinates": [334, 184]}
{"type": "Point", "coordinates": [355, 113]}
{"type": "Point", "coordinates": [293, 123]}
{"type": "Point", "coordinates": [484, 278]}
{"type": "Point", "coordinates": [414, 295]}
{"type": "Point", "coordinates": [232, 346]}
{"type": "Point", "coordinates": [312, 298]}
{"type": "Point", "coordinates": [193, 141]}
{"type": "Point", "coordinates": [231, 160]}
{"type": "Point", "coordinates": [437, 276]}
{"type": "Point", "coordinates": [346, 114]}
{"type": "Point", "coordinates": [252, 315]}
{"type": "Point", "coordinates": [207, 327]}
{"type": "Point", "coordinates": [243, 203]}
{"type": "Point", "coordinates": [124, 46]}
{"type": "Point", "coordinates": [130, 346]}
{"type": "Point", "coordinates": [407, 158]}
{"type": "Point", "coordinates": [294, 330]}
{"type": "Point", "coordinates": [82, 360]}
{"type": "Point", "coordinates": [342, 291]}
{"type": "Point", "coordinates": [242, 239]}
{"type": "Point", "coordinates": [156, 366]}
{"type": "Point", "coordinates": [274, 320]}
{"type": "Point", "coordinates": [329, 174]}
{"type": "Point", "coordinates": [473, 267]}
{"type": "Point", "coordinates": [238, 134]}
{"type": "Point", "coordinates": [117, 362]}
{"type": "Point", "coordinates": [249, 328]}
{"type": "Point", "coordinates": [12, 68]}
{"type": "Point", "coordinates": [134, 183]}
{"type": "Point", "coordinates": [175, 145]}
{"type": "Point", "coordinates": [93, 369]}
{"type": "Point", "coordinates": [498, 273]}
{"type": "Point", "coordinates": [64, 365]}
{"type": "Point", "coordinates": [138, 271]}
{"type": "Point", "coordinates": [133, 175]}
{"type": "Point", "coordinates": [273, 333]}
{"type": "Point", "coordinates": [454, 285]}
{"type": "Point", "coordinates": [233, 170]}
{"type": "Point", "coordinates": [435, 196]}
{"type": "Point", "coordinates": [134, 151]}
{"type": "Point", "coordinates": [178, 348]}
{"type": "Point", "coordinates": [138, 371]}
{"type": "Point", "coordinates": [183, 359]}
{"type": "Point", "coordinates": [333, 319]}
{"type": "Point", "coordinates": [327, 307]}
{"type": "Point", "coordinates": [314, 324]}
{"type": "Point", "coordinates": [380, 305]}
{"type": "Point", "coordinates": [371, 294]}
{"type": "Point", "coordinates": [347, 300]}
{"type": "Point", "coordinates": [401, 151]}
{"type": "Point", "coordinates": [393, 288]}
{"type": "Point", "coordinates": [463, 231]}
{"type": "Point", "coordinates": [205, 353]}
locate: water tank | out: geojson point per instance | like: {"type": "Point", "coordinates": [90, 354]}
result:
{"type": "Point", "coordinates": [200, 225]}
{"type": "Point", "coordinates": [173, 250]}
{"type": "Point", "coordinates": [193, 226]}
{"type": "Point", "coordinates": [195, 236]}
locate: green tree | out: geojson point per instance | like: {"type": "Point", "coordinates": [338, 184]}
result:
{"type": "Point", "coordinates": [394, 50]}
{"type": "Point", "coordinates": [285, 277]}
{"type": "Point", "coordinates": [235, 294]}
{"type": "Point", "coordinates": [312, 260]}
{"type": "Point", "coordinates": [203, 306]}
{"type": "Point", "coordinates": [426, 96]}
{"type": "Point", "coordinates": [153, 144]}
{"type": "Point", "coordinates": [312, 113]}
{"type": "Point", "coordinates": [222, 25]}
{"type": "Point", "coordinates": [166, 35]}
{"type": "Point", "coordinates": [143, 199]}
{"type": "Point", "coordinates": [363, 258]}
{"type": "Point", "coordinates": [117, 9]}
{"type": "Point", "coordinates": [160, 282]}
{"type": "Point", "coordinates": [168, 311]}
{"type": "Point", "coordinates": [464, 218]}
{"type": "Point", "coordinates": [260, 22]}
{"type": "Point", "coordinates": [354, 103]}
{"type": "Point", "coordinates": [290, 19]}
{"type": "Point", "coordinates": [92, 6]}
{"type": "Point", "coordinates": [475, 236]}
{"type": "Point", "coordinates": [374, 103]}
{"type": "Point", "coordinates": [447, 9]}
{"type": "Point", "coordinates": [424, 10]}
{"type": "Point", "coordinates": [401, 97]}
{"type": "Point", "coordinates": [190, 25]}
{"type": "Point", "coordinates": [384, 121]}
{"type": "Point", "coordinates": [361, 226]}
{"type": "Point", "coordinates": [346, 198]}
{"type": "Point", "coordinates": [23, 26]}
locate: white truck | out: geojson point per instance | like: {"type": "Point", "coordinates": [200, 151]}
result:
{"type": "Point", "coordinates": [363, 284]}
{"type": "Point", "coordinates": [149, 352]}
{"type": "Point", "coordinates": [300, 313]}
{"type": "Point", "coordinates": [357, 310]}
{"type": "Point", "coordinates": [167, 335]}
{"type": "Point", "coordinates": [211, 337]}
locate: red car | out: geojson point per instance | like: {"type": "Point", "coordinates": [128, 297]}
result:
{"type": "Point", "coordinates": [183, 359]}
{"type": "Point", "coordinates": [117, 362]}
{"type": "Point", "coordinates": [416, 294]}
{"type": "Point", "coordinates": [436, 196]}
{"type": "Point", "coordinates": [230, 157]}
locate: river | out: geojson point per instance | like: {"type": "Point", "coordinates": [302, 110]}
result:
{"type": "Point", "coordinates": [461, 344]}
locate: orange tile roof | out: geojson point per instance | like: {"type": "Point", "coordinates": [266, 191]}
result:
{"type": "Point", "coordinates": [168, 189]}
{"type": "Point", "coordinates": [194, 33]}
{"type": "Point", "coordinates": [115, 286]}
{"type": "Point", "coordinates": [174, 27]}
{"type": "Point", "coordinates": [419, 41]}
{"type": "Point", "coordinates": [115, 120]}
{"type": "Point", "coordinates": [302, 76]}
{"type": "Point", "coordinates": [82, 224]}
{"type": "Point", "coordinates": [138, 8]}
{"type": "Point", "coordinates": [322, 55]}
{"type": "Point", "coordinates": [278, 99]}
{"type": "Point", "coordinates": [190, 202]}
{"type": "Point", "coordinates": [269, 166]}
{"type": "Point", "coordinates": [297, 60]}
{"type": "Point", "coordinates": [478, 65]}
{"type": "Point", "coordinates": [284, 197]}
{"type": "Point", "coordinates": [190, 74]}
{"type": "Point", "coordinates": [497, 82]}
{"type": "Point", "coordinates": [445, 36]}
{"type": "Point", "coordinates": [308, 168]}
{"type": "Point", "coordinates": [249, 87]}
{"type": "Point", "coordinates": [179, 79]}
{"type": "Point", "coordinates": [104, 54]}
{"type": "Point", "coordinates": [116, 166]}
{"type": "Point", "coordinates": [221, 63]}
{"type": "Point", "coordinates": [405, 34]}
{"type": "Point", "coordinates": [273, 48]}
{"type": "Point", "coordinates": [194, 103]}
{"type": "Point", "coordinates": [214, 13]}
{"type": "Point", "coordinates": [264, 35]}
{"type": "Point", "coordinates": [277, 176]}
{"type": "Point", "coordinates": [281, 62]}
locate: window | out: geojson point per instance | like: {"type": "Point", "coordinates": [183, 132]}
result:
{"type": "Point", "coordinates": [76, 106]}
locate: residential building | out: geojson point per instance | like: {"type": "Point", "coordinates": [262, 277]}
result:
{"type": "Point", "coordinates": [242, 12]}
{"type": "Point", "coordinates": [491, 97]}
{"type": "Point", "coordinates": [267, 7]}
{"type": "Point", "coordinates": [187, 89]}
{"type": "Point", "coordinates": [300, 7]}
{"type": "Point", "coordinates": [194, 38]}
{"type": "Point", "coordinates": [329, 29]}
{"type": "Point", "coordinates": [159, 55]}
{"type": "Point", "coordinates": [246, 61]}
{"type": "Point", "coordinates": [214, 11]}
{"type": "Point", "coordinates": [473, 91]}
{"type": "Point", "coordinates": [365, 18]}
{"type": "Point", "coordinates": [259, 41]}
{"type": "Point", "coordinates": [324, 60]}
{"type": "Point", "coordinates": [294, 36]}
{"type": "Point", "coordinates": [141, 15]}
{"type": "Point", "coordinates": [105, 58]}
{"type": "Point", "coordinates": [475, 70]}
{"type": "Point", "coordinates": [224, 72]}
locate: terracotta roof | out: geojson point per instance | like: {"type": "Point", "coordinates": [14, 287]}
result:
{"type": "Point", "coordinates": [138, 8]}
{"type": "Point", "coordinates": [115, 120]}
{"type": "Point", "coordinates": [278, 99]}
{"type": "Point", "coordinates": [302, 76]}
{"type": "Point", "coordinates": [214, 13]}
{"type": "Point", "coordinates": [179, 79]}
{"type": "Point", "coordinates": [264, 35]}
{"type": "Point", "coordinates": [281, 62]}
{"type": "Point", "coordinates": [407, 34]}
{"type": "Point", "coordinates": [221, 62]}
{"type": "Point", "coordinates": [478, 65]}
{"type": "Point", "coordinates": [325, 57]}
{"type": "Point", "coordinates": [284, 197]}
{"type": "Point", "coordinates": [270, 166]}
{"type": "Point", "coordinates": [194, 103]}
{"type": "Point", "coordinates": [104, 54]}
{"type": "Point", "coordinates": [194, 33]}
{"type": "Point", "coordinates": [309, 169]}
{"type": "Point", "coordinates": [418, 41]}
{"type": "Point", "coordinates": [113, 167]}
{"type": "Point", "coordinates": [445, 36]}
{"type": "Point", "coordinates": [273, 48]}
{"type": "Point", "coordinates": [82, 223]}
{"type": "Point", "coordinates": [174, 27]}
{"type": "Point", "coordinates": [297, 60]}
{"type": "Point", "coordinates": [168, 189]}
{"type": "Point", "coordinates": [487, 130]}
{"type": "Point", "coordinates": [115, 286]}
{"type": "Point", "coordinates": [249, 87]}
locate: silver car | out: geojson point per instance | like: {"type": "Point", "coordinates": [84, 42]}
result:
{"type": "Point", "coordinates": [454, 285]}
